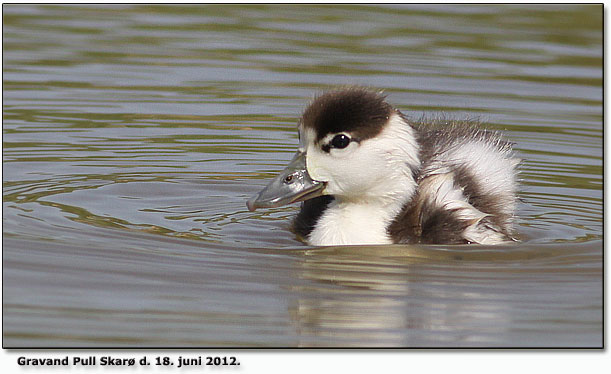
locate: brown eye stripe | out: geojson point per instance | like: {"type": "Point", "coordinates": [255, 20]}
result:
{"type": "Point", "coordinates": [327, 147]}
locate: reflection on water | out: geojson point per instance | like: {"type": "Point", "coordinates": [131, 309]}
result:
{"type": "Point", "coordinates": [133, 135]}
{"type": "Point", "coordinates": [424, 296]}
{"type": "Point", "coordinates": [175, 293]}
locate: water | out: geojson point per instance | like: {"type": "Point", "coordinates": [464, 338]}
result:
{"type": "Point", "coordinates": [133, 136]}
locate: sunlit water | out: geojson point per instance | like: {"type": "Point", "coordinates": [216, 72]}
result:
{"type": "Point", "coordinates": [133, 136]}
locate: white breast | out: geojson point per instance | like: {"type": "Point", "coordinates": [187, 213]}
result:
{"type": "Point", "coordinates": [349, 223]}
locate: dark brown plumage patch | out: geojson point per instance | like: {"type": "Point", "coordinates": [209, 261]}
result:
{"type": "Point", "coordinates": [442, 226]}
{"type": "Point", "coordinates": [355, 110]}
{"type": "Point", "coordinates": [422, 223]}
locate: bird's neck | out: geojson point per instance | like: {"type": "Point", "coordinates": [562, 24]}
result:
{"type": "Point", "coordinates": [360, 221]}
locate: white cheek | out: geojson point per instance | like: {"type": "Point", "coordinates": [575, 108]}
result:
{"type": "Point", "coordinates": [327, 166]}
{"type": "Point", "coordinates": [348, 170]}
{"type": "Point", "coordinates": [316, 162]}
{"type": "Point", "coordinates": [365, 169]}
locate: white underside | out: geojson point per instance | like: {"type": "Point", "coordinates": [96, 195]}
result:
{"type": "Point", "coordinates": [346, 223]}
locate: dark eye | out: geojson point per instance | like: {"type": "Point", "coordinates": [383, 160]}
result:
{"type": "Point", "coordinates": [288, 179]}
{"type": "Point", "coordinates": [340, 141]}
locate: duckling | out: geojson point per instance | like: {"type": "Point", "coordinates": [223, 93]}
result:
{"type": "Point", "coordinates": [366, 174]}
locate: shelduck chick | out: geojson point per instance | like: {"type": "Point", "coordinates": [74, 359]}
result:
{"type": "Point", "coordinates": [365, 174]}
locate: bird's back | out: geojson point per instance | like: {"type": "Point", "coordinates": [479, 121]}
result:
{"type": "Point", "coordinates": [466, 187]}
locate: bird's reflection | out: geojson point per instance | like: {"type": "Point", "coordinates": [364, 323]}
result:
{"type": "Point", "coordinates": [393, 296]}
